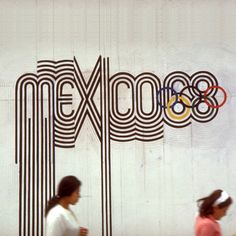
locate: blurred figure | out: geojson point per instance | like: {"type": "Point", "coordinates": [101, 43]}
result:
{"type": "Point", "coordinates": [60, 220]}
{"type": "Point", "coordinates": [211, 209]}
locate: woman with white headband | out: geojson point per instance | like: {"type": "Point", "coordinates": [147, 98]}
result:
{"type": "Point", "coordinates": [211, 209]}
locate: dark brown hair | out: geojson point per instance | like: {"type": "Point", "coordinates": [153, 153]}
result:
{"type": "Point", "coordinates": [206, 204]}
{"type": "Point", "coordinates": [66, 187]}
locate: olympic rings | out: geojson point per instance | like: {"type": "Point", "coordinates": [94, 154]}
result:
{"type": "Point", "coordinates": [199, 95]}
{"type": "Point", "coordinates": [187, 112]}
{"type": "Point", "coordinates": [173, 91]}
{"type": "Point", "coordinates": [206, 100]}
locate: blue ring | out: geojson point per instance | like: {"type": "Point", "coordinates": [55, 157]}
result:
{"type": "Point", "coordinates": [173, 91]}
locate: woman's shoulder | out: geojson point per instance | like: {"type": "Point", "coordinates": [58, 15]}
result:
{"type": "Point", "coordinates": [56, 212]}
{"type": "Point", "coordinates": [205, 221]}
{"type": "Point", "coordinates": [208, 225]}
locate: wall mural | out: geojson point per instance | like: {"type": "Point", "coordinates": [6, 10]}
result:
{"type": "Point", "coordinates": [44, 123]}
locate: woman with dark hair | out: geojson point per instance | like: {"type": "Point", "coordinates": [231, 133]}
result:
{"type": "Point", "coordinates": [211, 209]}
{"type": "Point", "coordinates": [60, 220]}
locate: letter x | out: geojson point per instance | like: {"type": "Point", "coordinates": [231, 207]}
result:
{"type": "Point", "coordinates": [87, 91]}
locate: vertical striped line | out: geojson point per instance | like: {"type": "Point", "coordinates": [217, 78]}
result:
{"type": "Point", "coordinates": [109, 146]}
{"type": "Point", "coordinates": [37, 161]}
{"type": "Point", "coordinates": [102, 149]}
{"type": "Point", "coordinates": [105, 155]}
{"type": "Point", "coordinates": [46, 161]}
{"type": "Point", "coordinates": [42, 171]}
{"type": "Point", "coordinates": [33, 174]}
{"type": "Point", "coordinates": [29, 170]}
{"type": "Point", "coordinates": [25, 155]}
{"type": "Point", "coordinates": [20, 169]}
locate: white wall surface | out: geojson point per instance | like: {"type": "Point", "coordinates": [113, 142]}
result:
{"type": "Point", "coordinates": [155, 185]}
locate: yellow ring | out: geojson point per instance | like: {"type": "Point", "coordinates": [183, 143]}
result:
{"type": "Point", "coordinates": [176, 117]}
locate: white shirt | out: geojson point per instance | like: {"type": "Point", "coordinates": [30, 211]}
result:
{"type": "Point", "coordinates": [61, 222]}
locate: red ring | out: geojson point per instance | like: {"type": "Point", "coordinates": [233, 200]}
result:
{"type": "Point", "coordinates": [217, 87]}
